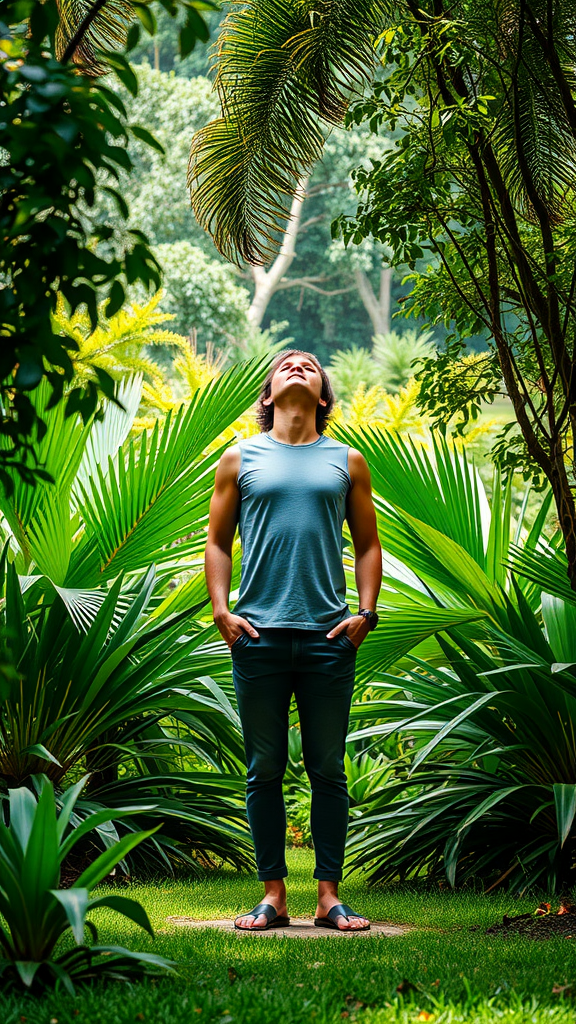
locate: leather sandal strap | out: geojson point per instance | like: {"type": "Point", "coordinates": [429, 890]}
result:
{"type": "Point", "coordinates": [266, 909]}
{"type": "Point", "coordinates": [341, 910]}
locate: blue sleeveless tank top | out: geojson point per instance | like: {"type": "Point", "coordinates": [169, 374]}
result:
{"type": "Point", "coordinates": [292, 507]}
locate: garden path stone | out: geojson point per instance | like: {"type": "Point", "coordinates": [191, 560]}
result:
{"type": "Point", "coordinates": [300, 927]}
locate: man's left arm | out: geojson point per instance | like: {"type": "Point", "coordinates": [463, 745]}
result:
{"type": "Point", "coordinates": [361, 518]}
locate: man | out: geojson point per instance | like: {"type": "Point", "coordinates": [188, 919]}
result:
{"type": "Point", "coordinates": [289, 490]}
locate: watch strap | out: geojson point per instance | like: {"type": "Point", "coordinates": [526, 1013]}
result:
{"type": "Point", "coordinates": [370, 616]}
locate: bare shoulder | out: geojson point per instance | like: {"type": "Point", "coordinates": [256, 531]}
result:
{"type": "Point", "coordinates": [229, 464]}
{"type": "Point", "coordinates": [358, 467]}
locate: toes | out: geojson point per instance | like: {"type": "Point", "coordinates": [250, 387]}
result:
{"type": "Point", "coordinates": [250, 922]}
{"type": "Point", "coordinates": [352, 924]}
{"type": "Point", "coordinates": [256, 922]}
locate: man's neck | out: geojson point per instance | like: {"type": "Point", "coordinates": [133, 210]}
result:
{"type": "Point", "coordinates": [294, 426]}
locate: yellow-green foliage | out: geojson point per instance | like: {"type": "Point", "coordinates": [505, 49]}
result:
{"type": "Point", "coordinates": [118, 345]}
{"type": "Point", "coordinates": [377, 408]}
{"type": "Point", "coordinates": [121, 343]}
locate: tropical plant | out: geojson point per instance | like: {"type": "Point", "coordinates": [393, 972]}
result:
{"type": "Point", "coordinates": [491, 790]}
{"type": "Point", "coordinates": [351, 369]}
{"type": "Point", "coordinates": [120, 344]}
{"type": "Point", "coordinates": [397, 357]}
{"type": "Point", "coordinates": [474, 670]}
{"type": "Point", "coordinates": [398, 413]}
{"type": "Point", "coordinates": [116, 672]}
{"type": "Point", "coordinates": [36, 913]}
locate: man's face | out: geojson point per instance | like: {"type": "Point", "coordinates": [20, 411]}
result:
{"type": "Point", "coordinates": [298, 374]}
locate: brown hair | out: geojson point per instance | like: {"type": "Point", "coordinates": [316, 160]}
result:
{"type": "Point", "coordinates": [265, 413]}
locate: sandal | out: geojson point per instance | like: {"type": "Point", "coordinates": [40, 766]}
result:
{"type": "Point", "coordinates": [339, 910]}
{"type": "Point", "coordinates": [273, 920]}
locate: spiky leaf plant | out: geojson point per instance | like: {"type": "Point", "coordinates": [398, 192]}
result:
{"type": "Point", "coordinates": [484, 707]}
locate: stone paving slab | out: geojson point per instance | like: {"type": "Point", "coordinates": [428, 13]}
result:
{"type": "Point", "coordinates": [300, 927]}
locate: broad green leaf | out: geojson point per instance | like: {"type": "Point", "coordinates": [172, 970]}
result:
{"type": "Point", "coordinates": [131, 909]}
{"type": "Point", "coordinates": [69, 799]}
{"type": "Point", "coordinates": [23, 807]}
{"type": "Point", "coordinates": [560, 622]}
{"type": "Point", "coordinates": [75, 902]}
{"type": "Point", "coordinates": [565, 802]}
{"type": "Point", "coordinates": [40, 867]}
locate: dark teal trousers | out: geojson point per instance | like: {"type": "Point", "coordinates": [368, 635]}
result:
{"type": "Point", "coordinates": [320, 674]}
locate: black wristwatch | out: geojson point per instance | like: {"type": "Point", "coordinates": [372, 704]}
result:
{"type": "Point", "coordinates": [370, 616]}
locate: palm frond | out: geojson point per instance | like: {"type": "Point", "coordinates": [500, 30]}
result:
{"type": "Point", "coordinates": [160, 492]}
{"type": "Point", "coordinates": [58, 452]}
{"type": "Point", "coordinates": [109, 433]}
{"type": "Point", "coordinates": [446, 492]}
{"type": "Point", "coordinates": [284, 68]}
{"type": "Point", "coordinates": [107, 28]}
{"type": "Point", "coordinates": [547, 569]}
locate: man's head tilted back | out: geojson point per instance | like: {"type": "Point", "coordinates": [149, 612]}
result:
{"type": "Point", "coordinates": [291, 371]}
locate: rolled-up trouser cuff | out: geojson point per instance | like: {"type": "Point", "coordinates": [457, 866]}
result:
{"type": "Point", "coordinates": [269, 876]}
{"type": "Point", "coordinates": [327, 876]}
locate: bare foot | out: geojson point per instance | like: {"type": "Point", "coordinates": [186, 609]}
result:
{"type": "Point", "coordinates": [276, 898]}
{"type": "Point", "coordinates": [328, 900]}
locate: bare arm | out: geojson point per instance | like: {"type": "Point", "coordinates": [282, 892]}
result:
{"type": "Point", "coordinates": [223, 519]}
{"type": "Point", "coordinates": [361, 518]}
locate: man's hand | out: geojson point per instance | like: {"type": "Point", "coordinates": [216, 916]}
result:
{"type": "Point", "coordinates": [232, 626]}
{"type": "Point", "coordinates": [356, 627]}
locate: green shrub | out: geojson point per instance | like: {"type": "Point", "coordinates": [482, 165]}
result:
{"type": "Point", "coordinates": [472, 669]}
{"type": "Point", "coordinates": [113, 670]}
{"type": "Point", "coordinates": [37, 913]}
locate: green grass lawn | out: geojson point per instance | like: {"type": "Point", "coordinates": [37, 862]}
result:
{"type": "Point", "coordinates": [453, 973]}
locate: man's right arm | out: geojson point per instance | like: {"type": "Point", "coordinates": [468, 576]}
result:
{"type": "Point", "coordinates": [224, 511]}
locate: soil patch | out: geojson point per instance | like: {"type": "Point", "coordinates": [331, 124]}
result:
{"type": "Point", "coordinates": [543, 923]}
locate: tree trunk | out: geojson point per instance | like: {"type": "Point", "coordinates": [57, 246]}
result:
{"type": "Point", "coordinates": [266, 281]}
{"type": "Point", "coordinates": [566, 508]}
{"type": "Point", "coordinates": [377, 306]}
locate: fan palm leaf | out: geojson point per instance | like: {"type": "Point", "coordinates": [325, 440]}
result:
{"type": "Point", "coordinates": [33, 510]}
{"type": "Point", "coordinates": [161, 490]}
